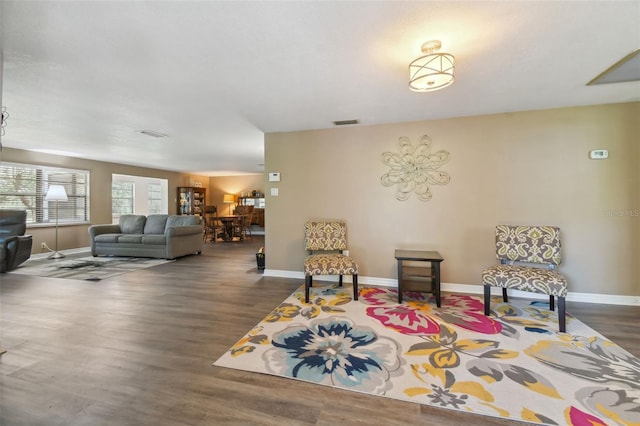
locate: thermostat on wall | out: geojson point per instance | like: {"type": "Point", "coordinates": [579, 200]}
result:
{"type": "Point", "coordinates": [598, 154]}
{"type": "Point", "coordinates": [274, 177]}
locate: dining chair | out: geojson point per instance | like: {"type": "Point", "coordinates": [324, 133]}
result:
{"type": "Point", "coordinates": [244, 224]}
{"type": "Point", "coordinates": [212, 226]}
{"type": "Point", "coordinates": [248, 220]}
{"type": "Point", "coordinates": [326, 242]}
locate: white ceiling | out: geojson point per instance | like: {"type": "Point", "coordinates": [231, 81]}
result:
{"type": "Point", "coordinates": [82, 78]}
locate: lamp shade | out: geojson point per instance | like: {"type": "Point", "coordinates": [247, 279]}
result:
{"type": "Point", "coordinates": [229, 198]}
{"type": "Point", "coordinates": [56, 193]}
{"type": "Point", "coordinates": [432, 71]}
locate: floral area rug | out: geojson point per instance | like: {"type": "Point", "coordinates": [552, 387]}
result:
{"type": "Point", "coordinates": [86, 268]}
{"type": "Point", "coordinates": [513, 364]}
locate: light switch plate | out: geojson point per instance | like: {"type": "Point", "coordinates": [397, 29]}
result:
{"type": "Point", "coordinates": [274, 177]}
{"type": "Point", "coordinates": [274, 192]}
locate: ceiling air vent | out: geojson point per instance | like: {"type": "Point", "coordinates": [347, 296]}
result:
{"type": "Point", "coordinates": [626, 69]}
{"type": "Point", "coordinates": [345, 122]}
{"type": "Point", "coordinates": [152, 133]}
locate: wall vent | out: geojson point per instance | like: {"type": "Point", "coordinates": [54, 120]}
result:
{"type": "Point", "coordinates": [345, 122]}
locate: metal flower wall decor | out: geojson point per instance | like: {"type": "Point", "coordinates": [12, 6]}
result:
{"type": "Point", "coordinates": [415, 169]}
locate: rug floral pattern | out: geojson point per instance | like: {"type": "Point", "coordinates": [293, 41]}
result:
{"type": "Point", "coordinates": [513, 364]}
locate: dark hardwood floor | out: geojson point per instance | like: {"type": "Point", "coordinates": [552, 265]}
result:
{"type": "Point", "coordinates": [138, 349]}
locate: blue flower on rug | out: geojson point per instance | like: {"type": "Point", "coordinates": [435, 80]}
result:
{"type": "Point", "coordinates": [335, 351]}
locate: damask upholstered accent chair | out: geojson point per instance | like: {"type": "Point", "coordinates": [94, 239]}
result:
{"type": "Point", "coordinates": [15, 246]}
{"type": "Point", "coordinates": [325, 242]}
{"type": "Point", "coordinates": [529, 256]}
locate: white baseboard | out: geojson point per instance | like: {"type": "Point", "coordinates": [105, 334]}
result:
{"type": "Point", "coordinates": [605, 299]}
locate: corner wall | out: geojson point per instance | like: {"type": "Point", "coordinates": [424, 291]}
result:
{"type": "Point", "coordinates": [514, 168]}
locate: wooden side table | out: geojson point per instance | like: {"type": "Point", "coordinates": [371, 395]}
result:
{"type": "Point", "coordinates": [414, 278]}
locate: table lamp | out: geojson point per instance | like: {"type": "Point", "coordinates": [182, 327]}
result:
{"type": "Point", "coordinates": [56, 193]}
{"type": "Point", "coordinates": [229, 199]}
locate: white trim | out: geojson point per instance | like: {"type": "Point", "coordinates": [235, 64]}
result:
{"type": "Point", "coordinates": [605, 299]}
{"type": "Point", "coordinates": [283, 274]}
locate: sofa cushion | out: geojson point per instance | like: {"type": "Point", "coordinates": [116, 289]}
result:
{"type": "Point", "coordinates": [130, 238]}
{"type": "Point", "coordinates": [173, 221]}
{"type": "Point", "coordinates": [106, 238]}
{"type": "Point", "coordinates": [155, 224]}
{"type": "Point", "coordinates": [132, 223]}
{"type": "Point", "coordinates": [154, 239]}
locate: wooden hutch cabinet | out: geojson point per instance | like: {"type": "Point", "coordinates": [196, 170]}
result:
{"type": "Point", "coordinates": [191, 200]}
{"type": "Point", "coordinates": [258, 210]}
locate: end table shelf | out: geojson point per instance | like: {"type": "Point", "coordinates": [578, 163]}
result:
{"type": "Point", "coordinates": [423, 274]}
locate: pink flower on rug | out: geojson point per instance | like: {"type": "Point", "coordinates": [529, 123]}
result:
{"type": "Point", "coordinates": [404, 319]}
{"type": "Point", "coordinates": [578, 417]}
{"type": "Point", "coordinates": [416, 316]}
{"type": "Point", "coordinates": [468, 313]}
{"type": "Point", "coordinates": [381, 296]}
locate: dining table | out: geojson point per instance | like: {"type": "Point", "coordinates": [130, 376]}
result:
{"type": "Point", "coordinates": [229, 223]}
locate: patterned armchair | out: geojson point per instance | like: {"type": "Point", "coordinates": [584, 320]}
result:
{"type": "Point", "coordinates": [15, 246]}
{"type": "Point", "coordinates": [328, 240]}
{"type": "Point", "coordinates": [519, 248]}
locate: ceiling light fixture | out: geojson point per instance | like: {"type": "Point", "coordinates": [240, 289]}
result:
{"type": "Point", "coordinates": [433, 71]}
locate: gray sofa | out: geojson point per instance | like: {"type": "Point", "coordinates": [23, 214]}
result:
{"type": "Point", "coordinates": [156, 235]}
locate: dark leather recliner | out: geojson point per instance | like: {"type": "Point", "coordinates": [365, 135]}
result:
{"type": "Point", "coordinates": [15, 246]}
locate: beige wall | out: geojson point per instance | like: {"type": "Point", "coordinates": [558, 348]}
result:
{"type": "Point", "coordinates": [512, 168]}
{"type": "Point", "coordinates": [220, 185]}
{"type": "Point", "coordinates": [100, 192]}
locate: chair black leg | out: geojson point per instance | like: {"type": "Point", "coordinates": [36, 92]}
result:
{"type": "Point", "coordinates": [355, 287]}
{"type": "Point", "coordinates": [505, 299]}
{"type": "Point", "coordinates": [487, 299]}
{"type": "Point", "coordinates": [307, 284]}
{"type": "Point", "coordinates": [562, 320]}
{"type": "Point", "coordinates": [340, 281]}
{"type": "Point", "coordinates": [552, 304]}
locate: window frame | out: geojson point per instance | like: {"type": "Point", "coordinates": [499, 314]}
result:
{"type": "Point", "coordinates": [41, 213]}
{"type": "Point", "coordinates": [129, 188]}
{"type": "Point", "coordinates": [154, 188]}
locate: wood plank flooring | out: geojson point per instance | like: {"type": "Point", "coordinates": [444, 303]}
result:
{"type": "Point", "coordinates": [138, 349]}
